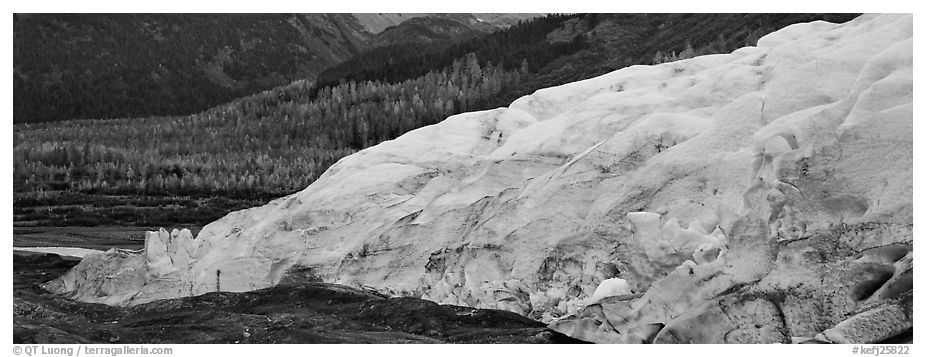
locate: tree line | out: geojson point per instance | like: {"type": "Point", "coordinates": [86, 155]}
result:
{"type": "Point", "coordinates": [269, 144]}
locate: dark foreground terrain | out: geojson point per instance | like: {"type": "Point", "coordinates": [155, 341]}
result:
{"type": "Point", "coordinates": [300, 312]}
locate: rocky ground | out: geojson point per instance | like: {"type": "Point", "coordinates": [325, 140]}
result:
{"type": "Point", "coordinates": [298, 312]}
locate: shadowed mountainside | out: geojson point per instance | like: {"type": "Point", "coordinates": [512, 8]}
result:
{"type": "Point", "coordinates": [72, 66]}
{"type": "Point", "coordinates": [78, 66]}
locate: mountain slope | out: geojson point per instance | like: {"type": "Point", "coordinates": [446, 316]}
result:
{"type": "Point", "coordinates": [795, 155]}
{"type": "Point", "coordinates": [76, 66]}
{"type": "Point", "coordinates": [69, 66]}
{"type": "Point", "coordinates": [431, 29]}
{"type": "Point", "coordinates": [378, 22]}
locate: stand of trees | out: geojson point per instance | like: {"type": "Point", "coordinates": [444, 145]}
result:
{"type": "Point", "coordinates": [259, 146]}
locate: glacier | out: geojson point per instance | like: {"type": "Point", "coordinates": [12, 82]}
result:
{"type": "Point", "coordinates": [754, 197]}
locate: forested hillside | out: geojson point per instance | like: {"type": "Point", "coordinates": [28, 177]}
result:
{"type": "Point", "coordinates": [253, 149]}
{"type": "Point", "coordinates": [430, 29]}
{"type": "Point", "coordinates": [564, 48]}
{"type": "Point", "coordinates": [445, 28]}
{"type": "Point", "coordinates": [69, 66]}
{"type": "Point", "coordinates": [198, 167]}
{"type": "Point", "coordinates": [508, 48]}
